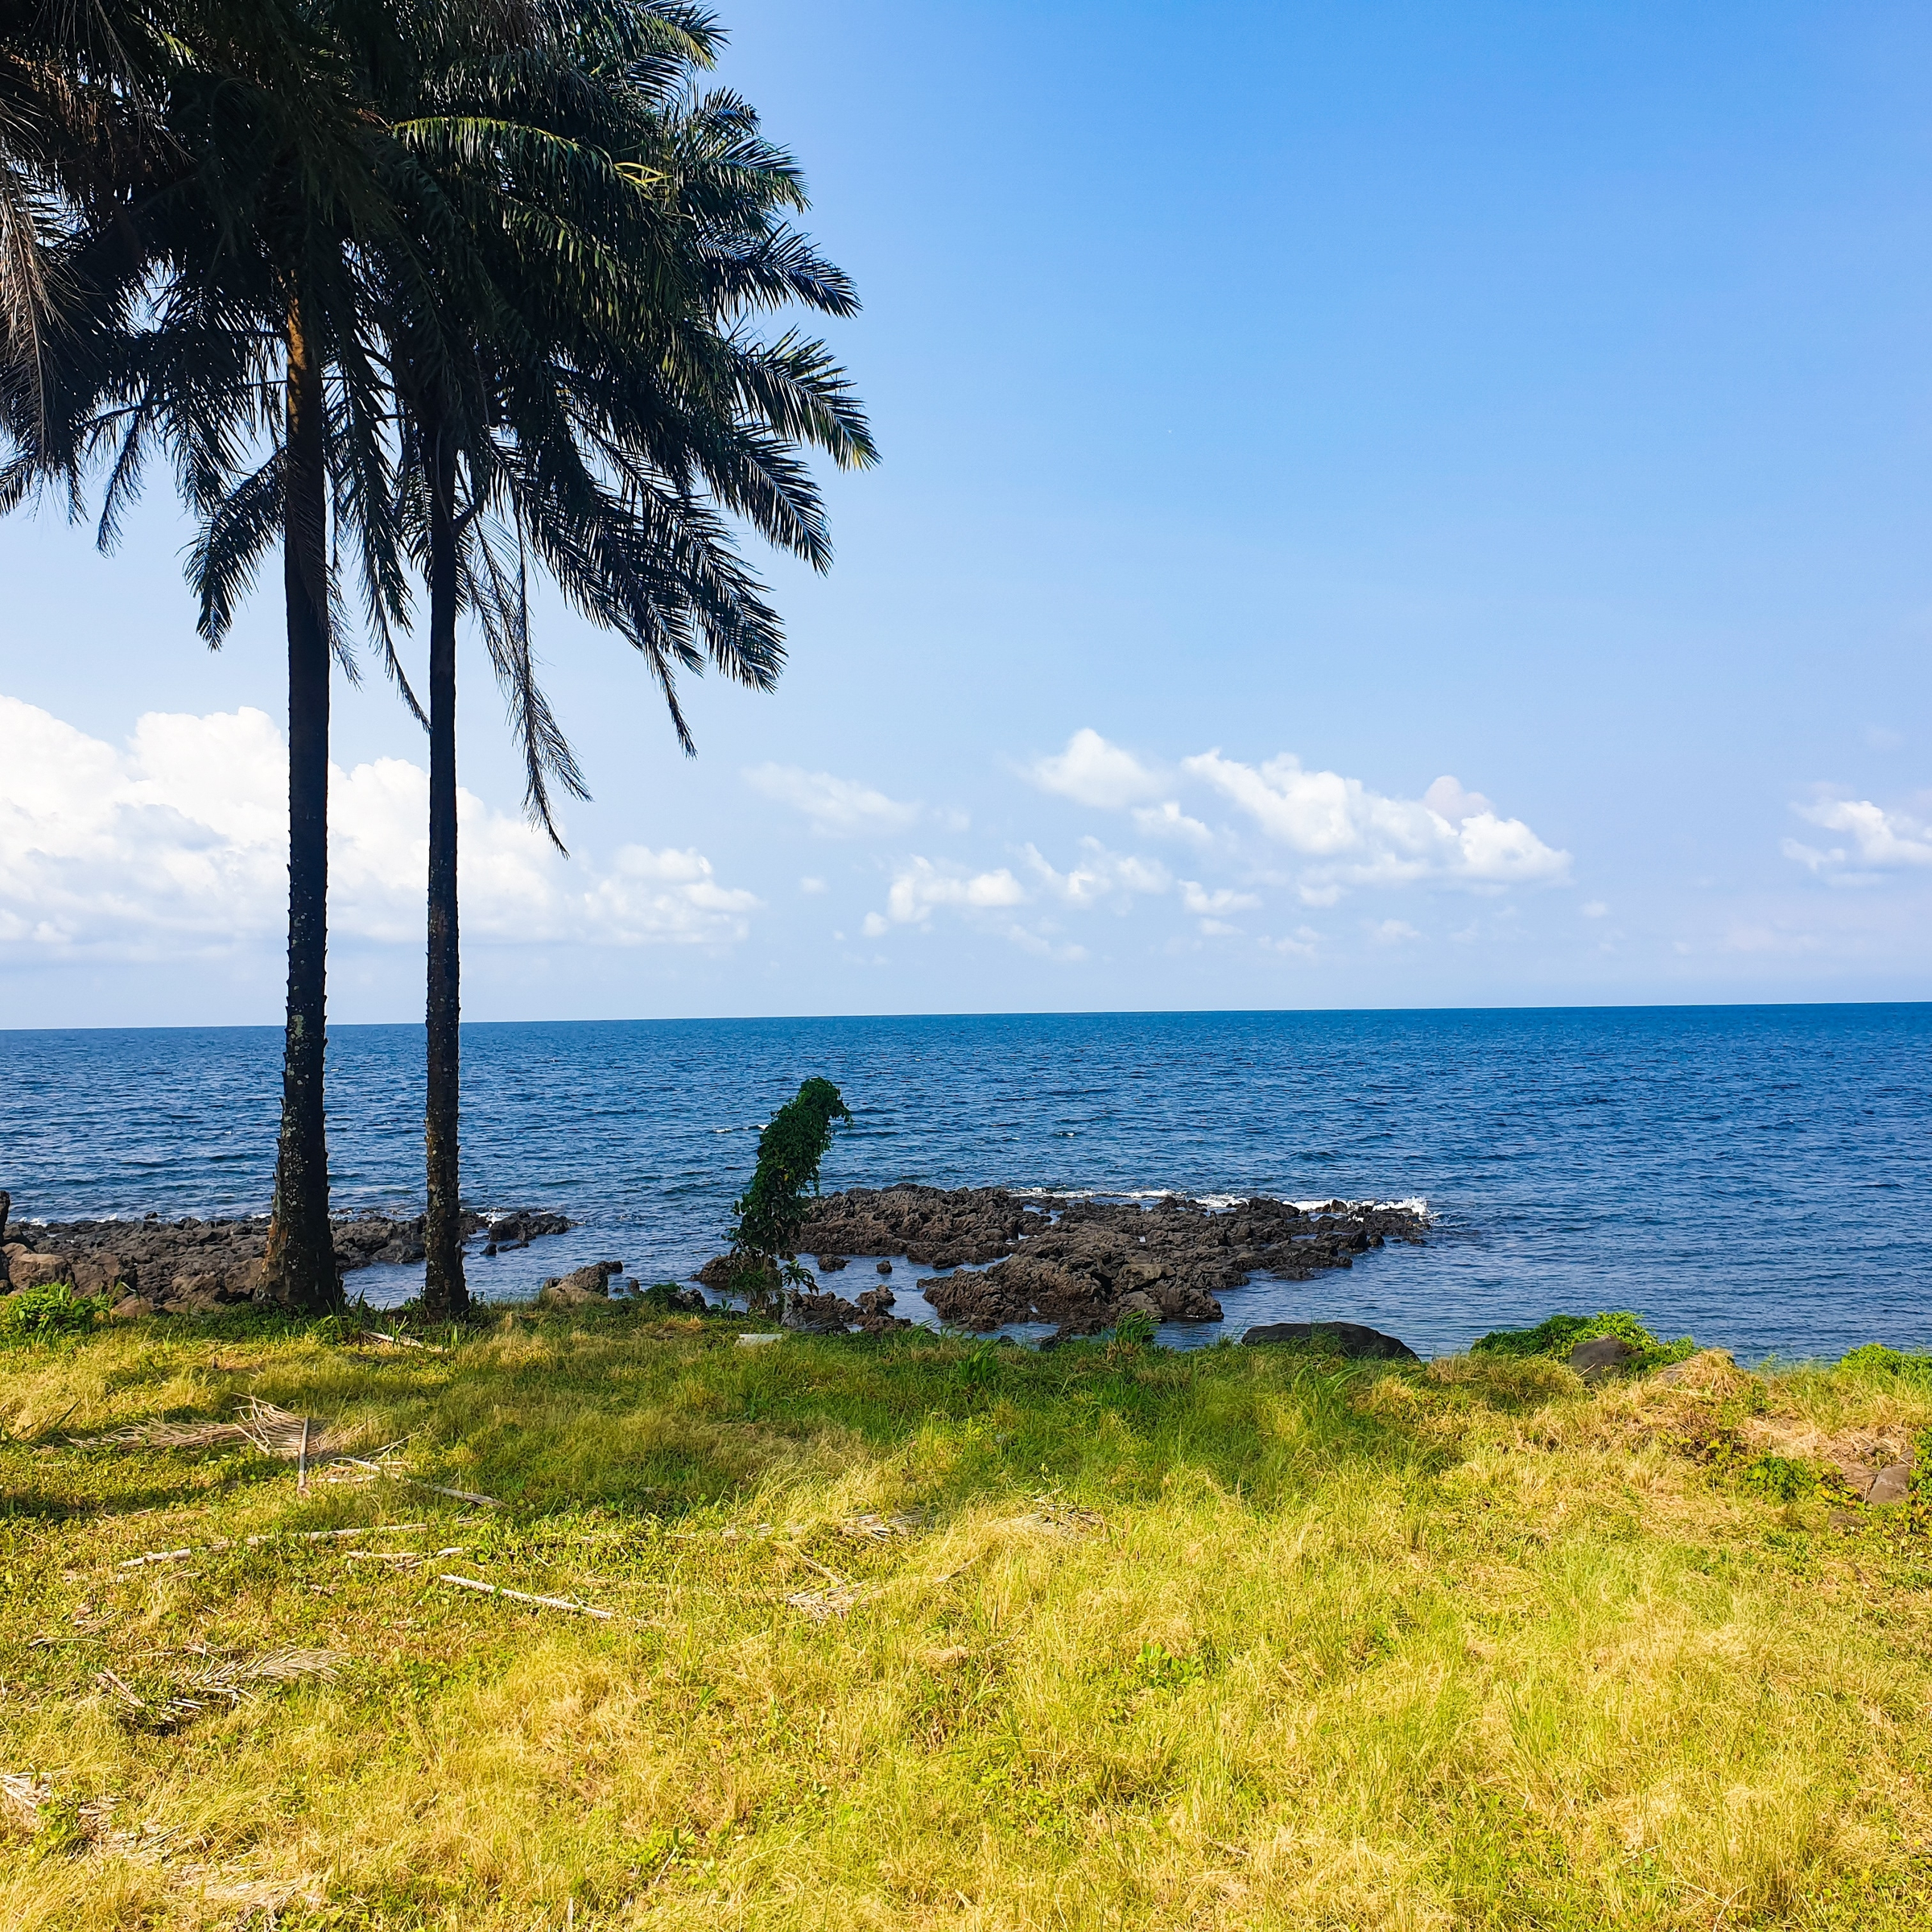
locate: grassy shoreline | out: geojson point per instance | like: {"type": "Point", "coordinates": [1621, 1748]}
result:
{"type": "Point", "coordinates": [914, 1631]}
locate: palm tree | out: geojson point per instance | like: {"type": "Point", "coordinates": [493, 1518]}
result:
{"type": "Point", "coordinates": [75, 129]}
{"type": "Point", "coordinates": [221, 293]}
{"type": "Point", "coordinates": [581, 388]}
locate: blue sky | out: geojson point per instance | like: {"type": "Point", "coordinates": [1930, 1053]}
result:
{"type": "Point", "coordinates": [1284, 409]}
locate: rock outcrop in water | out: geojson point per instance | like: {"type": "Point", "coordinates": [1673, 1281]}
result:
{"type": "Point", "coordinates": [1085, 1265]}
{"type": "Point", "coordinates": [195, 1267]}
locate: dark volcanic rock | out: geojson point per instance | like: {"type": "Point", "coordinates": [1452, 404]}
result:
{"type": "Point", "coordinates": [517, 1229]}
{"type": "Point", "coordinates": [723, 1273]}
{"type": "Point", "coordinates": [192, 1266]}
{"type": "Point", "coordinates": [1084, 1264]}
{"type": "Point", "coordinates": [1892, 1484]}
{"type": "Point", "coordinates": [820, 1314]}
{"type": "Point", "coordinates": [1599, 1358]}
{"type": "Point", "coordinates": [1348, 1338]}
{"type": "Point", "coordinates": [579, 1286]}
{"type": "Point", "coordinates": [1081, 1266]}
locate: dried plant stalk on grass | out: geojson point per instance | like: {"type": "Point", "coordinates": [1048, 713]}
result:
{"type": "Point", "coordinates": [261, 1425]}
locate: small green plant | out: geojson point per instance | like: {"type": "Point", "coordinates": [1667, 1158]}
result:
{"type": "Point", "coordinates": [1557, 1335]}
{"type": "Point", "coordinates": [1136, 1329]}
{"type": "Point", "coordinates": [39, 1313]}
{"type": "Point", "coordinates": [766, 1219]}
{"type": "Point", "coordinates": [60, 1827]}
{"type": "Point", "coordinates": [1780, 1478]}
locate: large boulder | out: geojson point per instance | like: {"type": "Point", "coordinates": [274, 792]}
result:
{"type": "Point", "coordinates": [1601, 1357]}
{"type": "Point", "coordinates": [1348, 1338]}
{"type": "Point", "coordinates": [96, 1273]}
{"type": "Point", "coordinates": [26, 1269]}
{"type": "Point", "coordinates": [580, 1287]}
{"type": "Point", "coordinates": [202, 1291]}
{"type": "Point", "coordinates": [819, 1313]}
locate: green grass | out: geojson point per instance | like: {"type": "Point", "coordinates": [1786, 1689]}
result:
{"type": "Point", "coordinates": [1234, 1638]}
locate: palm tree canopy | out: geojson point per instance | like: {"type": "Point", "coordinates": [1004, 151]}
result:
{"type": "Point", "coordinates": [604, 236]}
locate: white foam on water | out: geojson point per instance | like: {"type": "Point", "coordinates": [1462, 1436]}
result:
{"type": "Point", "coordinates": [1096, 1194]}
{"type": "Point", "coordinates": [1220, 1204]}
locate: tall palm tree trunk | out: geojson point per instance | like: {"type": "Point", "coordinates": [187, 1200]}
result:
{"type": "Point", "coordinates": [444, 1291]}
{"type": "Point", "coordinates": [299, 1266]}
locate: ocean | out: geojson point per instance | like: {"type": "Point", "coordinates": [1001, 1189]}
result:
{"type": "Point", "coordinates": [1758, 1177]}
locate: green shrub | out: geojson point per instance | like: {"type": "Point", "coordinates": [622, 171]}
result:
{"type": "Point", "coordinates": [1557, 1335]}
{"type": "Point", "coordinates": [37, 1314]}
{"type": "Point", "coordinates": [1875, 1362]}
{"type": "Point", "coordinates": [766, 1219]}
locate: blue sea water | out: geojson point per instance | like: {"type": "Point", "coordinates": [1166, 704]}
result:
{"type": "Point", "coordinates": [1759, 1177]}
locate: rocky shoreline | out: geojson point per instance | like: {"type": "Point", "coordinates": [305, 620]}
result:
{"type": "Point", "coordinates": [1009, 1257]}
{"type": "Point", "coordinates": [197, 1267]}
{"type": "Point", "coordinates": [1084, 1265]}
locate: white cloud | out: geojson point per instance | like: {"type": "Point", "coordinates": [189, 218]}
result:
{"type": "Point", "coordinates": [1090, 771]}
{"type": "Point", "coordinates": [919, 888]}
{"type": "Point", "coordinates": [1596, 909]}
{"type": "Point", "coordinates": [1301, 943]}
{"type": "Point", "coordinates": [836, 807]}
{"type": "Point", "coordinates": [812, 886]}
{"type": "Point", "coordinates": [1100, 876]}
{"type": "Point", "coordinates": [1880, 841]}
{"type": "Point", "coordinates": [1446, 798]}
{"type": "Point", "coordinates": [1363, 838]}
{"type": "Point", "coordinates": [1392, 932]}
{"type": "Point", "coordinates": [1169, 821]}
{"type": "Point", "coordinates": [1041, 948]}
{"type": "Point", "coordinates": [1348, 836]}
{"type": "Point", "coordinates": [650, 895]}
{"type": "Point", "coordinates": [179, 845]}
{"type": "Point", "coordinates": [1198, 900]}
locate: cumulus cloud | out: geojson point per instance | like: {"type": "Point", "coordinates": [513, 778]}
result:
{"type": "Point", "coordinates": [1358, 837]}
{"type": "Point", "coordinates": [1168, 821]}
{"type": "Point", "coordinates": [1880, 841]}
{"type": "Point", "coordinates": [1348, 836]}
{"type": "Point", "coordinates": [1100, 876]}
{"type": "Point", "coordinates": [1447, 799]}
{"type": "Point", "coordinates": [833, 806]}
{"type": "Point", "coordinates": [179, 845]}
{"type": "Point", "coordinates": [919, 888]}
{"type": "Point", "coordinates": [1091, 771]}
{"type": "Point", "coordinates": [1198, 899]}
{"type": "Point", "coordinates": [1301, 943]}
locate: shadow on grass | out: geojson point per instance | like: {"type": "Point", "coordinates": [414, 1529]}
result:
{"type": "Point", "coordinates": [620, 1410]}
{"type": "Point", "coordinates": [625, 1412]}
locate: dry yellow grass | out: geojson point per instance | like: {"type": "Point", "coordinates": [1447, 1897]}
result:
{"type": "Point", "coordinates": [916, 1632]}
